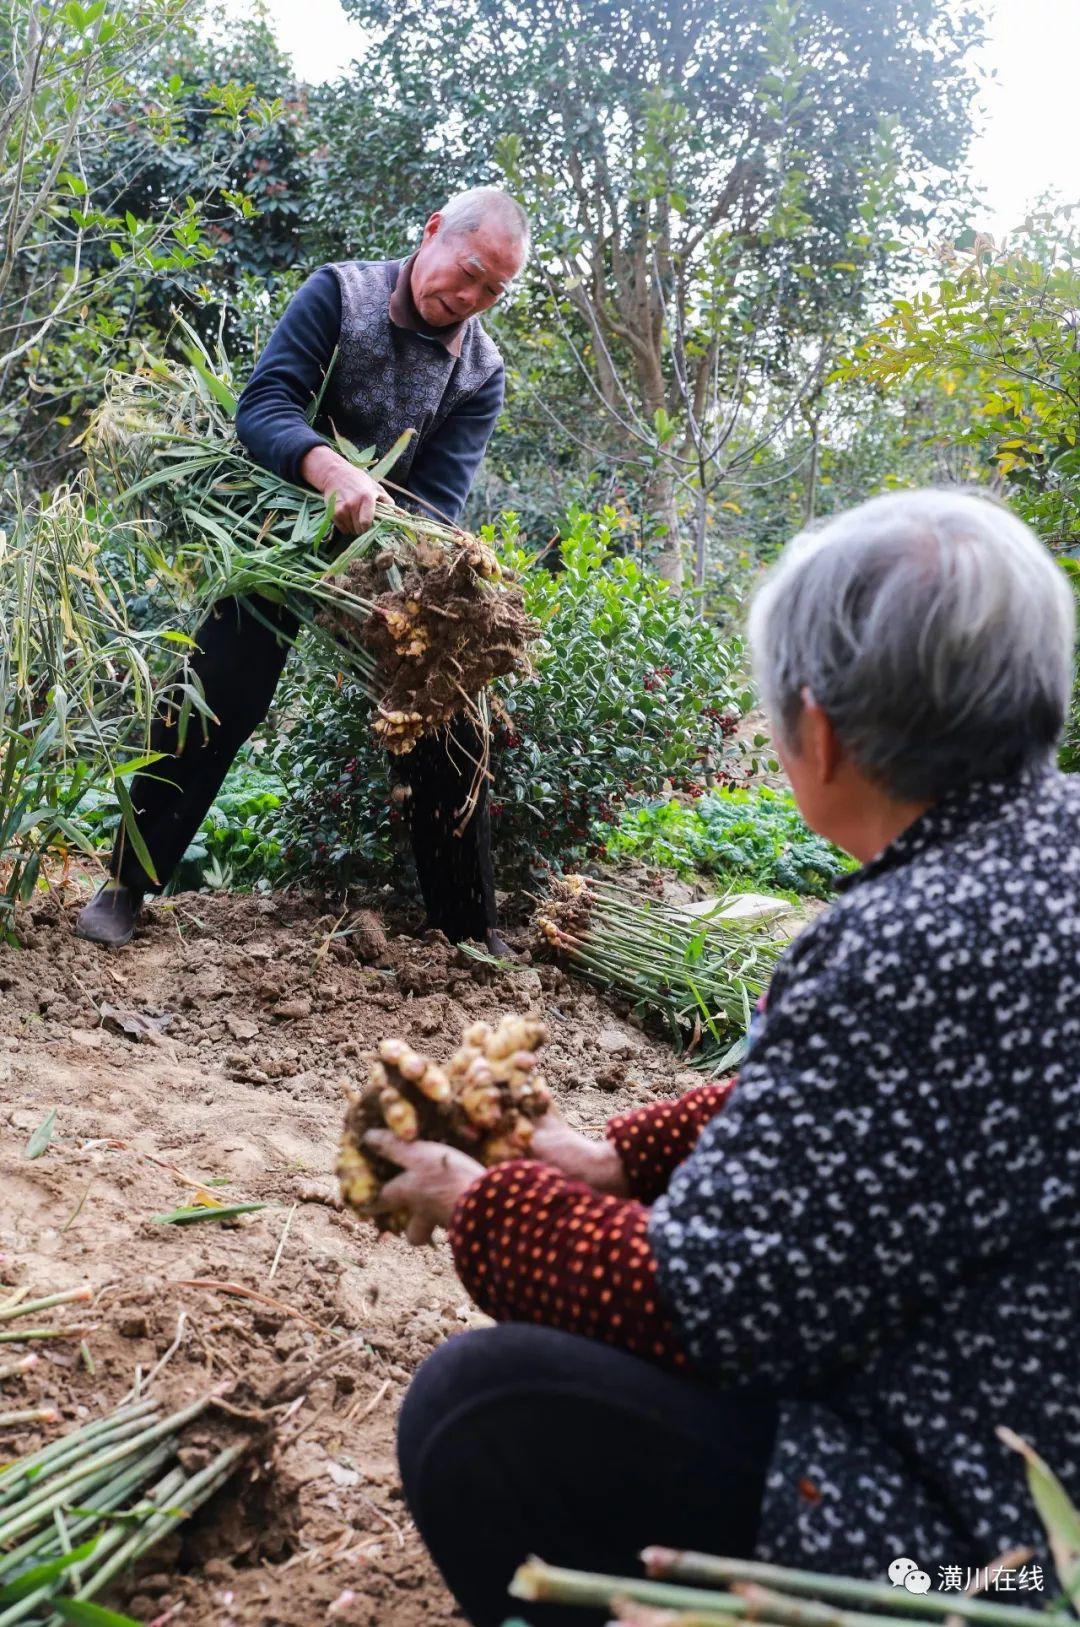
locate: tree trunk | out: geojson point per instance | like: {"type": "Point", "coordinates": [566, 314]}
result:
{"type": "Point", "coordinates": [662, 519]}
{"type": "Point", "coordinates": [701, 515]}
{"type": "Point", "coordinates": [810, 506]}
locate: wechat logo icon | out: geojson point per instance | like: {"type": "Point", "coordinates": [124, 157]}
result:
{"type": "Point", "coordinates": [906, 1573]}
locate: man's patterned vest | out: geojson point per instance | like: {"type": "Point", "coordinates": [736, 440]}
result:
{"type": "Point", "coordinates": [386, 378]}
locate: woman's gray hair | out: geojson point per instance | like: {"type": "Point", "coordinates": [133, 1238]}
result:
{"type": "Point", "coordinates": [468, 211]}
{"type": "Point", "coordinates": [933, 629]}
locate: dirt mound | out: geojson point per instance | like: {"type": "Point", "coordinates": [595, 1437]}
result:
{"type": "Point", "coordinates": [213, 1055]}
{"type": "Point", "coordinates": [567, 910]}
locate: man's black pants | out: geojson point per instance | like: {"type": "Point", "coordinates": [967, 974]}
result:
{"type": "Point", "coordinates": [240, 659]}
{"type": "Point", "coordinates": [521, 1440]}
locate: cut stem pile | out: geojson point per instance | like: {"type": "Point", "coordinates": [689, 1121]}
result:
{"type": "Point", "coordinates": [699, 976]}
{"type": "Point", "coordinates": [770, 1595]}
{"type": "Point", "coordinates": [86, 1506]}
{"type": "Point", "coordinates": [483, 1102]}
{"type": "Point", "coordinates": [416, 609]}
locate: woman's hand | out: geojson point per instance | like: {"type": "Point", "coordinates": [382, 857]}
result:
{"type": "Point", "coordinates": [434, 1176]}
{"type": "Point", "coordinates": [578, 1156]}
{"type": "Point", "coordinates": [432, 1180]}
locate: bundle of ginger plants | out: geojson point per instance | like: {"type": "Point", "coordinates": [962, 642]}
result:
{"type": "Point", "coordinates": [696, 976]}
{"type": "Point", "coordinates": [418, 611]}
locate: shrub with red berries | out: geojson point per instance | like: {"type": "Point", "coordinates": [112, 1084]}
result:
{"type": "Point", "coordinates": [632, 690]}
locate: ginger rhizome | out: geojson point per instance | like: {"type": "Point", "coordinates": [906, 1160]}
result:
{"type": "Point", "coordinates": [485, 1101]}
{"type": "Point", "coordinates": [453, 626]}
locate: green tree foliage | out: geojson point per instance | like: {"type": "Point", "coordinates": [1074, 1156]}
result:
{"type": "Point", "coordinates": [243, 152]}
{"type": "Point", "coordinates": [1006, 320]}
{"type": "Point", "coordinates": [376, 175]}
{"type": "Point", "coordinates": [709, 185]}
{"type": "Point", "coordinates": [868, 438]}
{"type": "Point", "coordinates": [1003, 324]}
{"type": "Point", "coordinates": [112, 202]}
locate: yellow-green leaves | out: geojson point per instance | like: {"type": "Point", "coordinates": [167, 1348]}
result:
{"type": "Point", "coordinates": [41, 1137]}
{"type": "Point", "coordinates": [1057, 1512]}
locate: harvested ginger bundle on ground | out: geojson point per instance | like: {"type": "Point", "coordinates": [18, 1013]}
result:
{"type": "Point", "coordinates": [483, 1102]}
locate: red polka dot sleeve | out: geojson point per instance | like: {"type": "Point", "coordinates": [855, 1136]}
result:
{"type": "Point", "coordinates": [532, 1246]}
{"type": "Point", "coordinates": [652, 1141]}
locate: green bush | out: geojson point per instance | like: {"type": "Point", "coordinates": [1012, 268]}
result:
{"type": "Point", "coordinates": [631, 689]}
{"type": "Point", "coordinates": [336, 825]}
{"type": "Point", "coordinates": [754, 838]}
{"type": "Point", "coordinates": [235, 845]}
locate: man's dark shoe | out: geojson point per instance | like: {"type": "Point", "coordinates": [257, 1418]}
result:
{"type": "Point", "coordinates": [110, 917]}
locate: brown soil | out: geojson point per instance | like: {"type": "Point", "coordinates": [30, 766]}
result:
{"type": "Point", "coordinates": [217, 1047]}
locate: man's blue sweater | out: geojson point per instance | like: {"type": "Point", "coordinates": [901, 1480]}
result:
{"type": "Point", "coordinates": [289, 373]}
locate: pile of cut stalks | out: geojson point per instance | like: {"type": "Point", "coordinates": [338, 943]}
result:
{"type": "Point", "coordinates": [681, 1588]}
{"type": "Point", "coordinates": [83, 1509]}
{"type": "Point", "coordinates": [695, 977]}
{"type": "Point", "coordinates": [684, 1589]}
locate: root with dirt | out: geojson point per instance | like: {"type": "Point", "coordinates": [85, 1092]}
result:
{"type": "Point", "coordinates": [484, 1102]}
{"type": "Point", "coordinates": [439, 640]}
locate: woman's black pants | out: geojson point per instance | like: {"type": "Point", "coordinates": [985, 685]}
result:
{"type": "Point", "coordinates": [521, 1440]}
{"type": "Point", "coordinates": [239, 661]}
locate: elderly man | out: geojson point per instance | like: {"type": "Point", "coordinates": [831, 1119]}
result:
{"type": "Point", "coordinates": [411, 354]}
{"type": "Point", "coordinates": [786, 1319]}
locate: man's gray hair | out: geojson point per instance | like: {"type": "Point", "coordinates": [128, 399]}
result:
{"type": "Point", "coordinates": [934, 630]}
{"type": "Point", "coordinates": [468, 211]}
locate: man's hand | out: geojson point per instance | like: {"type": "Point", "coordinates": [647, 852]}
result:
{"type": "Point", "coordinates": [356, 492]}
{"type": "Point", "coordinates": [597, 1163]}
{"type": "Point", "coordinates": [433, 1179]}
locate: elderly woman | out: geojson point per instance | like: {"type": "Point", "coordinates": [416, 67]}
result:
{"type": "Point", "coordinates": [786, 1319]}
